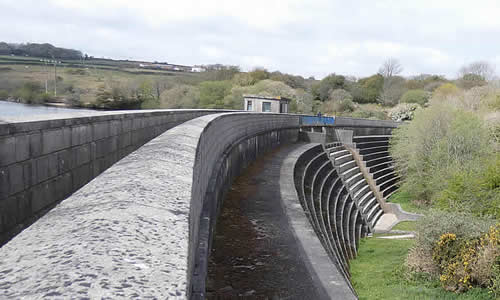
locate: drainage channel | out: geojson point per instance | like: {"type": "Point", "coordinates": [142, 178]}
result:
{"type": "Point", "coordinates": [254, 251]}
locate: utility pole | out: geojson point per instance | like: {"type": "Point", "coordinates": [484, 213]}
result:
{"type": "Point", "coordinates": [55, 78]}
{"type": "Point", "coordinates": [46, 78]}
{"type": "Point", "coordinates": [46, 69]}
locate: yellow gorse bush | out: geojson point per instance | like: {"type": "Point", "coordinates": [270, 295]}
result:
{"type": "Point", "coordinates": [464, 263]}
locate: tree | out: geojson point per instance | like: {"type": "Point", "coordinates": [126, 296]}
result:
{"type": "Point", "coordinates": [304, 102]}
{"type": "Point", "coordinates": [290, 80]}
{"type": "Point", "coordinates": [392, 90]}
{"type": "Point", "coordinates": [180, 96]}
{"type": "Point", "coordinates": [322, 90]}
{"type": "Point", "coordinates": [5, 49]}
{"type": "Point", "coordinates": [391, 67]}
{"type": "Point", "coordinates": [426, 82]}
{"type": "Point", "coordinates": [339, 95]}
{"type": "Point", "coordinates": [367, 90]}
{"type": "Point", "coordinates": [146, 95]}
{"type": "Point", "coordinates": [483, 69]}
{"type": "Point", "coordinates": [220, 72]}
{"type": "Point", "coordinates": [212, 93]}
{"type": "Point", "coordinates": [471, 80]}
{"type": "Point", "coordinates": [259, 74]}
{"type": "Point", "coordinates": [243, 79]}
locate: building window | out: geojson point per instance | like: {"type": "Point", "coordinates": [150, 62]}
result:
{"type": "Point", "coordinates": [249, 105]}
{"type": "Point", "coordinates": [266, 106]}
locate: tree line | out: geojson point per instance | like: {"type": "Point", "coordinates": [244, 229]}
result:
{"type": "Point", "coordinates": [223, 87]}
{"type": "Point", "coordinates": [44, 50]}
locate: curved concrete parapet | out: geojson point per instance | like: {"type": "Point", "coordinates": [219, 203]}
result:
{"type": "Point", "coordinates": [319, 241]}
{"type": "Point", "coordinates": [143, 227]}
{"type": "Point", "coordinates": [45, 158]}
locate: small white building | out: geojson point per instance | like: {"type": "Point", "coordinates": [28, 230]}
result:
{"type": "Point", "coordinates": [266, 104]}
{"type": "Point", "coordinates": [197, 69]}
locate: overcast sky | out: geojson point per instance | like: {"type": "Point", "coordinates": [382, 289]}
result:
{"type": "Point", "coordinates": [308, 37]}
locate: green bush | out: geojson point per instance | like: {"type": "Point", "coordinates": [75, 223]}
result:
{"type": "Point", "coordinates": [416, 96]}
{"type": "Point", "coordinates": [212, 93]}
{"type": "Point", "coordinates": [436, 223]}
{"type": "Point", "coordinates": [476, 190]}
{"type": "Point", "coordinates": [338, 107]}
{"type": "Point", "coordinates": [495, 279]}
{"type": "Point", "coordinates": [31, 93]}
{"type": "Point", "coordinates": [438, 143]}
{"type": "Point", "coordinates": [495, 103]}
{"type": "Point", "coordinates": [4, 94]}
{"type": "Point", "coordinates": [467, 262]}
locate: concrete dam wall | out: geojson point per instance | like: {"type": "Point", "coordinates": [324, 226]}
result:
{"type": "Point", "coordinates": [43, 160]}
{"type": "Point", "coordinates": [143, 227]}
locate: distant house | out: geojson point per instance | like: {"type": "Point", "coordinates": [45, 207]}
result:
{"type": "Point", "coordinates": [197, 69]}
{"type": "Point", "coordinates": [266, 104]}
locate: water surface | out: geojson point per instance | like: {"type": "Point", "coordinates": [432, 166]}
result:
{"type": "Point", "coordinates": [12, 109]}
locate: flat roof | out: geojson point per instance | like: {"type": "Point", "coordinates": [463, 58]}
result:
{"type": "Point", "coordinates": [277, 98]}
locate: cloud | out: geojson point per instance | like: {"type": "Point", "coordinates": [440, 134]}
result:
{"type": "Point", "coordinates": [314, 37]}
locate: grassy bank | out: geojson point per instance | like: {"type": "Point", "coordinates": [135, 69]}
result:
{"type": "Point", "coordinates": [377, 273]}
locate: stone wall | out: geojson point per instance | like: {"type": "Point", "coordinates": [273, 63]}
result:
{"type": "Point", "coordinates": [43, 160]}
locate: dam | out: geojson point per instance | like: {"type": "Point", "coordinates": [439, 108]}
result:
{"type": "Point", "coordinates": [126, 204]}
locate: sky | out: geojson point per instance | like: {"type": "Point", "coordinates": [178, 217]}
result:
{"type": "Point", "coordinates": [307, 38]}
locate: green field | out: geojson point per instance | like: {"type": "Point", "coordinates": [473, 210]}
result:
{"type": "Point", "coordinates": [84, 79]}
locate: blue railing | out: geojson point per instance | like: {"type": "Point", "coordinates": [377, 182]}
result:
{"type": "Point", "coordinates": [317, 120]}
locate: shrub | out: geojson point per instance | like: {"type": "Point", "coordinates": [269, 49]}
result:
{"type": "Point", "coordinates": [339, 95]}
{"type": "Point", "coordinates": [465, 263]}
{"type": "Point", "coordinates": [446, 90]}
{"type": "Point", "coordinates": [495, 279]}
{"type": "Point", "coordinates": [438, 143]}
{"type": "Point", "coordinates": [469, 80]}
{"type": "Point", "coordinates": [435, 223]}
{"type": "Point", "coordinates": [30, 92]}
{"type": "Point", "coordinates": [76, 71]}
{"type": "Point", "coordinates": [494, 104]}
{"type": "Point", "coordinates": [416, 96]}
{"type": "Point", "coordinates": [4, 94]}
{"type": "Point", "coordinates": [459, 248]}
{"type": "Point", "coordinates": [338, 107]}
{"type": "Point", "coordinates": [476, 190]}
{"type": "Point", "coordinates": [180, 96]}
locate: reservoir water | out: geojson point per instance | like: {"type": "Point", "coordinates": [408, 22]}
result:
{"type": "Point", "coordinates": [12, 109]}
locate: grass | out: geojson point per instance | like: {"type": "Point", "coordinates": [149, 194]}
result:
{"type": "Point", "coordinates": [406, 226]}
{"type": "Point", "coordinates": [377, 273]}
{"type": "Point", "coordinates": [405, 200]}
